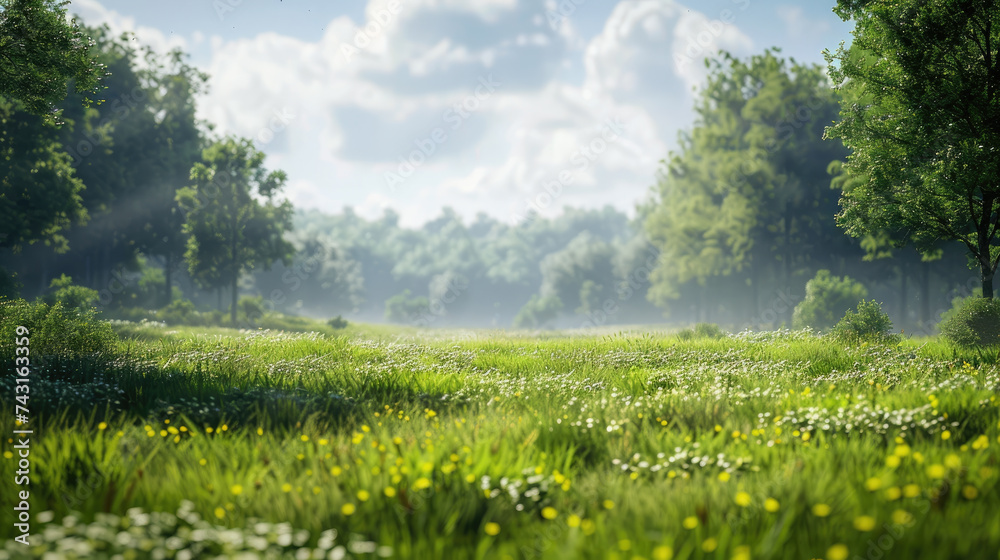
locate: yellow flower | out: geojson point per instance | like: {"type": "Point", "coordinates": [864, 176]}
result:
{"type": "Point", "coordinates": [873, 484]}
{"type": "Point", "coordinates": [821, 510]}
{"type": "Point", "coordinates": [709, 545]}
{"type": "Point", "coordinates": [422, 483]}
{"type": "Point", "coordinates": [743, 499]}
{"type": "Point", "coordinates": [911, 490]}
{"type": "Point", "coordinates": [220, 513]}
{"type": "Point", "coordinates": [202, 462]}
{"type": "Point", "coordinates": [901, 517]}
{"type": "Point", "coordinates": [236, 489]}
{"type": "Point", "coordinates": [771, 505]}
{"type": "Point", "coordinates": [741, 553]}
{"type": "Point", "coordinates": [286, 487]}
{"type": "Point", "coordinates": [549, 513]}
{"type": "Point", "coordinates": [892, 461]}
{"type": "Point", "coordinates": [260, 431]}
{"type": "Point", "coordinates": [397, 440]}
{"type": "Point", "coordinates": [936, 471]}
{"type": "Point", "coordinates": [864, 523]}
{"type": "Point", "coordinates": [952, 461]}
{"type": "Point", "coordinates": [335, 470]}
{"type": "Point", "coordinates": [304, 437]}
{"type": "Point", "coordinates": [348, 509]}
{"type": "Point", "coordinates": [608, 504]}
{"type": "Point", "coordinates": [573, 520]}
{"type": "Point", "coordinates": [102, 426]}
{"type": "Point", "coordinates": [663, 553]}
{"type": "Point", "coordinates": [492, 529]}
{"type": "Point", "coordinates": [837, 552]}
{"type": "Point", "coordinates": [902, 450]}
{"type": "Point", "coordinates": [389, 491]}
{"type": "Point", "coordinates": [893, 493]}
{"type": "Point", "coordinates": [363, 495]}
{"type": "Point", "coordinates": [724, 476]}
{"type": "Point", "coordinates": [690, 522]}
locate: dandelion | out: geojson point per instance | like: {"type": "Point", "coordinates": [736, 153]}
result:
{"type": "Point", "coordinates": [588, 527]}
{"type": "Point", "coordinates": [741, 553]}
{"type": "Point", "coordinates": [901, 517]}
{"type": "Point", "coordinates": [873, 484]}
{"type": "Point", "coordinates": [260, 431]}
{"type": "Point", "coordinates": [690, 522]}
{"type": "Point", "coordinates": [709, 545]}
{"type": "Point", "coordinates": [723, 476]}
{"type": "Point", "coordinates": [608, 504]}
{"type": "Point", "coordinates": [911, 490]}
{"type": "Point", "coordinates": [864, 523]}
{"type": "Point", "coordinates": [220, 513]}
{"type": "Point", "coordinates": [952, 461]}
{"type": "Point", "coordinates": [304, 437]}
{"type": "Point", "coordinates": [335, 470]}
{"type": "Point", "coordinates": [936, 471]}
{"type": "Point", "coordinates": [573, 521]}
{"type": "Point", "coordinates": [363, 495]}
{"type": "Point", "coordinates": [892, 461]}
{"type": "Point", "coordinates": [202, 462]}
{"type": "Point", "coordinates": [348, 509]}
{"type": "Point", "coordinates": [422, 483]}
{"type": "Point", "coordinates": [663, 553]}
{"type": "Point", "coordinates": [837, 552]}
{"type": "Point", "coordinates": [492, 529]}
{"type": "Point", "coordinates": [743, 499]}
{"type": "Point", "coordinates": [286, 487]}
{"type": "Point", "coordinates": [549, 512]}
{"type": "Point", "coordinates": [236, 489]}
{"type": "Point", "coordinates": [771, 505]}
{"type": "Point", "coordinates": [821, 510]}
{"type": "Point", "coordinates": [389, 491]}
{"type": "Point", "coordinates": [102, 426]}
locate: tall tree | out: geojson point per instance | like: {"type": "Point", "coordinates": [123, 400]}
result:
{"type": "Point", "coordinates": [747, 193]}
{"type": "Point", "coordinates": [233, 218]}
{"type": "Point", "coordinates": [921, 115]}
{"type": "Point", "coordinates": [40, 52]}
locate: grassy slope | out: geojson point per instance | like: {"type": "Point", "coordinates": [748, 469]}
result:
{"type": "Point", "coordinates": [631, 446]}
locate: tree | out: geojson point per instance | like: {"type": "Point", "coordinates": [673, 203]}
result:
{"type": "Point", "coordinates": [233, 219]}
{"type": "Point", "coordinates": [40, 51]}
{"type": "Point", "coordinates": [40, 195]}
{"type": "Point", "coordinates": [747, 195]}
{"type": "Point", "coordinates": [921, 115]}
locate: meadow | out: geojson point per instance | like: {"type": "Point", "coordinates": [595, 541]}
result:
{"type": "Point", "coordinates": [187, 443]}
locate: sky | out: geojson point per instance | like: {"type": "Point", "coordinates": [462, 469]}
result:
{"type": "Point", "coordinates": [484, 106]}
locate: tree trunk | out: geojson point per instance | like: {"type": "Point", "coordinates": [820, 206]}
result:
{"type": "Point", "coordinates": [167, 275]}
{"type": "Point", "coordinates": [902, 296]}
{"type": "Point", "coordinates": [987, 272]}
{"type": "Point", "coordinates": [925, 293]}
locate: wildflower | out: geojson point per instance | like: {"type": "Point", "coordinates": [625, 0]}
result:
{"type": "Point", "coordinates": [837, 552]}
{"type": "Point", "coordinates": [901, 517]}
{"type": "Point", "coordinates": [286, 487]}
{"type": "Point", "coordinates": [723, 476]}
{"type": "Point", "coordinates": [864, 523]}
{"type": "Point", "coordinates": [304, 437]}
{"type": "Point", "coordinates": [936, 471]}
{"type": "Point", "coordinates": [492, 529]}
{"type": "Point", "coordinates": [743, 499]}
{"type": "Point", "coordinates": [709, 545]}
{"type": "Point", "coordinates": [952, 461]}
{"type": "Point", "coordinates": [422, 483]}
{"type": "Point", "coordinates": [348, 509]}
{"type": "Point", "coordinates": [663, 553]}
{"type": "Point", "coordinates": [608, 504]}
{"type": "Point", "coordinates": [102, 426]}
{"type": "Point", "coordinates": [741, 553]}
{"type": "Point", "coordinates": [573, 520]}
{"type": "Point", "coordinates": [690, 522]}
{"type": "Point", "coordinates": [389, 491]}
{"type": "Point", "coordinates": [220, 513]}
{"type": "Point", "coordinates": [236, 489]}
{"type": "Point", "coordinates": [363, 495]}
{"type": "Point", "coordinates": [873, 484]}
{"type": "Point", "coordinates": [911, 490]}
{"type": "Point", "coordinates": [892, 461]}
{"type": "Point", "coordinates": [771, 505]}
{"type": "Point", "coordinates": [549, 513]}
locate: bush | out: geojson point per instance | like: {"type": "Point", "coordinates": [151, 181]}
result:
{"type": "Point", "coordinates": [701, 330]}
{"type": "Point", "coordinates": [868, 322]}
{"type": "Point", "coordinates": [538, 311]}
{"type": "Point", "coordinates": [402, 308]}
{"type": "Point", "coordinates": [337, 323]}
{"type": "Point", "coordinates": [975, 322]}
{"type": "Point", "coordinates": [827, 298]}
{"type": "Point", "coordinates": [181, 312]}
{"type": "Point", "coordinates": [53, 330]}
{"type": "Point", "coordinates": [72, 297]}
{"type": "Point", "coordinates": [251, 310]}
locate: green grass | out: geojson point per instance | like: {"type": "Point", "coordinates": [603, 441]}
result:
{"type": "Point", "coordinates": [423, 443]}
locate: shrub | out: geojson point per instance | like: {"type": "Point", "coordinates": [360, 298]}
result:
{"type": "Point", "coordinates": [538, 311]}
{"type": "Point", "coordinates": [251, 310]}
{"type": "Point", "coordinates": [337, 323]}
{"type": "Point", "coordinates": [181, 312]}
{"type": "Point", "coordinates": [867, 322]}
{"type": "Point", "coordinates": [701, 330]}
{"type": "Point", "coordinates": [827, 298]}
{"type": "Point", "coordinates": [53, 330]}
{"type": "Point", "coordinates": [402, 308]}
{"type": "Point", "coordinates": [72, 297]}
{"type": "Point", "coordinates": [975, 322]}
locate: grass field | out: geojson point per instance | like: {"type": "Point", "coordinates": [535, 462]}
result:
{"type": "Point", "coordinates": [478, 444]}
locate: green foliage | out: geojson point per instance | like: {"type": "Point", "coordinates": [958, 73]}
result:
{"type": "Point", "coordinates": [746, 194]}
{"type": "Point", "coordinates": [702, 330]}
{"type": "Point", "coordinates": [867, 322]}
{"type": "Point", "coordinates": [40, 193]}
{"type": "Point", "coordinates": [404, 308]}
{"type": "Point", "coordinates": [71, 296]}
{"type": "Point", "coordinates": [233, 217]}
{"type": "Point", "coordinates": [182, 312]}
{"type": "Point", "coordinates": [42, 53]}
{"type": "Point", "coordinates": [827, 298]}
{"type": "Point", "coordinates": [538, 312]}
{"type": "Point", "coordinates": [975, 322]}
{"type": "Point", "coordinates": [337, 323]}
{"type": "Point", "coordinates": [10, 288]}
{"type": "Point", "coordinates": [53, 330]}
{"type": "Point", "coordinates": [919, 111]}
